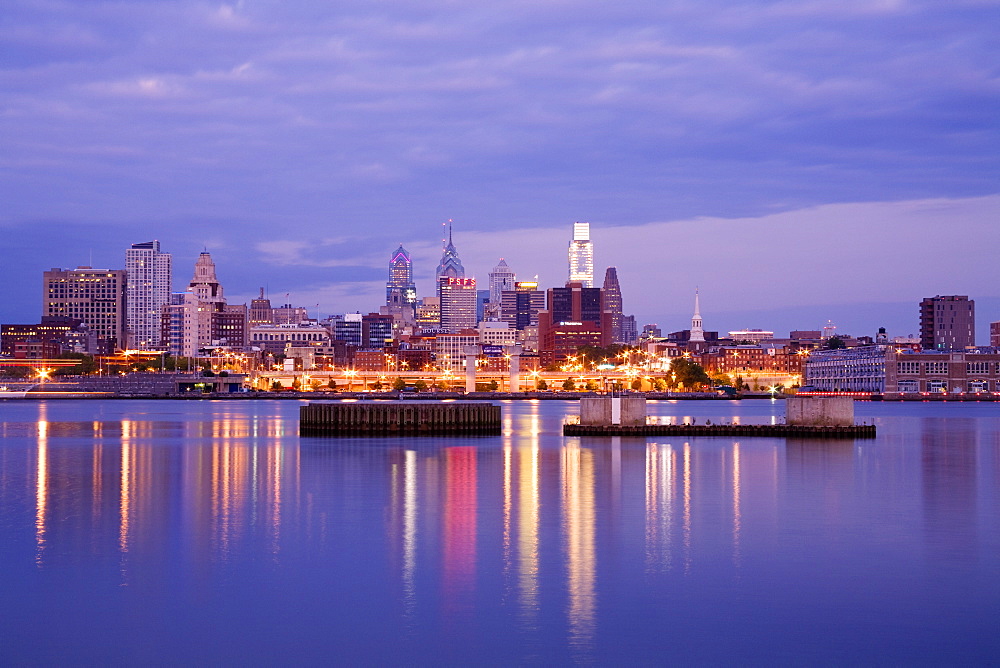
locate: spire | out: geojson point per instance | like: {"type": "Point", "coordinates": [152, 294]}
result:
{"type": "Point", "coordinates": [697, 333]}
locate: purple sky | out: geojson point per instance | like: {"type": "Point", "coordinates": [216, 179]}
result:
{"type": "Point", "coordinates": [796, 160]}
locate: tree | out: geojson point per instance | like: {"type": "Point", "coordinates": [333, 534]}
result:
{"type": "Point", "coordinates": [835, 343]}
{"type": "Point", "coordinates": [688, 372]}
{"type": "Point", "coordinates": [315, 383]}
{"type": "Point", "coordinates": [541, 385]}
{"type": "Point", "coordinates": [276, 385]}
{"type": "Point", "coordinates": [658, 384]}
{"type": "Point", "coordinates": [296, 384]}
{"type": "Point", "coordinates": [332, 384]}
{"type": "Point", "coordinates": [568, 384]}
{"type": "Point", "coordinates": [493, 386]}
{"type": "Point", "coordinates": [636, 384]}
{"type": "Point", "coordinates": [399, 384]}
{"type": "Point", "coordinates": [590, 386]}
{"type": "Point", "coordinates": [420, 386]}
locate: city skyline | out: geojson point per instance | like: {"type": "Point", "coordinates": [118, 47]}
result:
{"type": "Point", "coordinates": [820, 157]}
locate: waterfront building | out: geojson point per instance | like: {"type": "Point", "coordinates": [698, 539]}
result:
{"type": "Point", "coordinates": [275, 338]}
{"type": "Point", "coordinates": [613, 303]}
{"type": "Point", "coordinates": [450, 265]}
{"type": "Point", "coordinates": [759, 366]}
{"type": "Point", "coordinates": [179, 325]}
{"type": "Point", "coordinates": [860, 369]}
{"type": "Point", "coordinates": [947, 322]}
{"type": "Point", "coordinates": [400, 290]}
{"type": "Point", "coordinates": [65, 335]}
{"type": "Point", "coordinates": [458, 303]}
{"type": "Point", "coordinates": [200, 318]}
{"type": "Point", "coordinates": [519, 307]}
{"type": "Point", "coordinates": [497, 334]}
{"type": "Point", "coordinates": [995, 334]}
{"type": "Point", "coordinates": [147, 291]}
{"type": "Point", "coordinates": [581, 256]}
{"type": "Point", "coordinates": [94, 297]}
{"type": "Point", "coordinates": [974, 371]}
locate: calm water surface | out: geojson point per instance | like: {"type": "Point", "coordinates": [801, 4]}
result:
{"type": "Point", "coordinates": [184, 532]}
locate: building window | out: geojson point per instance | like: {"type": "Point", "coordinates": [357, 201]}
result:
{"type": "Point", "coordinates": [937, 385]}
{"type": "Point", "coordinates": [908, 367]}
{"type": "Point", "coordinates": [979, 386]}
{"type": "Point", "coordinates": [977, 368]}
{"type": "Point", "coordinates": [937, 367]}
{"type": "Point", "coordinates": [908, 386]}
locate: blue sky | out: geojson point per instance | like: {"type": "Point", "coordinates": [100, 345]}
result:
{"type": "Point", "coordinates": [797, 161]}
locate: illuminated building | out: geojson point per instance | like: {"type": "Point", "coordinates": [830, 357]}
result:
{"type": "Point", "coordinates": [429, 313]}
{"type": "Point", "coordinates": [261, 312]}
{"type": "Point", "coordinates": [67, 335]}
{"type": "Point", "coordinates": [458, 303]}
{"type": "Point", "coordinates": [449, 349]}
{"type": "Point", "coordinates": [148, 277]}
{"type": "Point", "coordinates": [94, 297]}
{"type": "Point", "coordinates": [200, 318]}
{"type": "Point", "coordinates": [400, 290]}
{"type": "Point", "coordinates": [519, 307]}
{"type": "Point", "coordinates": [575, 317]}
{"type": "Point", "coordinates": [581, 256]}
{"type": "Point", "coordinates": [630, 332]}
{"type": "Point", "coordinates": [450, 266]}
{"type": "Point", "coordinates": [347, 328]}
{"type": "Point", "coordinates": [947, 323]}
{"type": "Point", "coordinates": [751, 335]}
{"type": "Point", "coordinates": [274, 338]}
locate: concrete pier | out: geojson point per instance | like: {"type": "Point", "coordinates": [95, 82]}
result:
{"type": "Point", "coordinates": [819, 411]}
{"type": "Point", "coordinates": [384, 419]}
{"type": "Point", "coordinates": [628, 410]}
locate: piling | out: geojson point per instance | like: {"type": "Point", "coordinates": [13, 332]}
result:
{"type": "Point", "coordinates": [399, 418]}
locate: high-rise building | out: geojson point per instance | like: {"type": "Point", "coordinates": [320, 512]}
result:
{"type": "Point", "coordinates": [613, 303]}
{"type": "Point", "coordinates": [147, 271]}
{"type": "Point", "coordinates": [947, 322]}
{"type": "Point", "coordinates": [630, 331]}
{"type": "Point", "coordinates": [697, 333]}
{"type": "Point", "coordinates": [458, 304]}
{"type": "Point", "coordinates": [95, 297]}
{"type": "Point", "coordinates": [200, 318]}
{"type": "Point", "coordinates": [450, 266]}
{"type": "Point", "coordinates": [575, 317]}
{"type": "Point", "coordinates": [581, 256]}
{"type": "Point", "coordinates": [261, 312]}
{"type": "Point", "coordinates": [519, 307]}
{"type": "Point", "coordinates": [209, 295]}
{"type": "Point", "coordinates": [400, 290]}
{"type": "Point", "coordinates": [501, 278]}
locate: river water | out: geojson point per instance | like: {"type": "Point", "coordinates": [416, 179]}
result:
{"type": "Point", "coordinates": [209, 532]}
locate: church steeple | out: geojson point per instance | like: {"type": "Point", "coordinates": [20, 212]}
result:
{"type": "Point", "coordinates": [697, 333]}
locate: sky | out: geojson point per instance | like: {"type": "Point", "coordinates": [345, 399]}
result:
{"type": "Point", "coordinates": [794, 161]}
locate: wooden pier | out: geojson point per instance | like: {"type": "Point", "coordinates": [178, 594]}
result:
{"type": "Point", "coordinates": [403, 418]}
{"type": "Point", "coordinates": [743, 430]}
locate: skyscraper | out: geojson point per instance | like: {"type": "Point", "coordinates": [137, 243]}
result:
{"type": "Point", "coordinates": [947, 322]}
{"type": "Point", "coordinates": [147, 271]}
{"type": "Point", "coordinates": [581, 256]}
{"type": "Point", "coordinates": [575, 316]}
{"type": "Point", "coordinates": [501, 278]}
{"type": "Point", "coordinates": [458, 304]}
{"type": "Point", "coordinates": [95, 297]}
{"type": "Point", "coordinates": [450, 266]}
{"type": "Point", "coordinates": [519, 307]}
{"type": "Point", "coordinates": [613, 303]}
{"type": "Point", "coordinates": [400, 290]}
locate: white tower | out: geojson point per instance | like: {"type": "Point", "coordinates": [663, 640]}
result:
{"type": "Point", "coordinates": [581, 256]}
{"type": "Point", "coordinates": [147, 290]}
{"type": "Point", "coordinates": [697, 333]}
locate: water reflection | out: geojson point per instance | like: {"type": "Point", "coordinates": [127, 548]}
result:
{"type": "Point", "coordinates": [548, 534]}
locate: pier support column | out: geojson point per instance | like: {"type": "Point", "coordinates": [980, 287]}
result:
{"type": "Point", "coordinates": [514, 384]}
{"type": "Point", "coordinates": [471, 353]}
